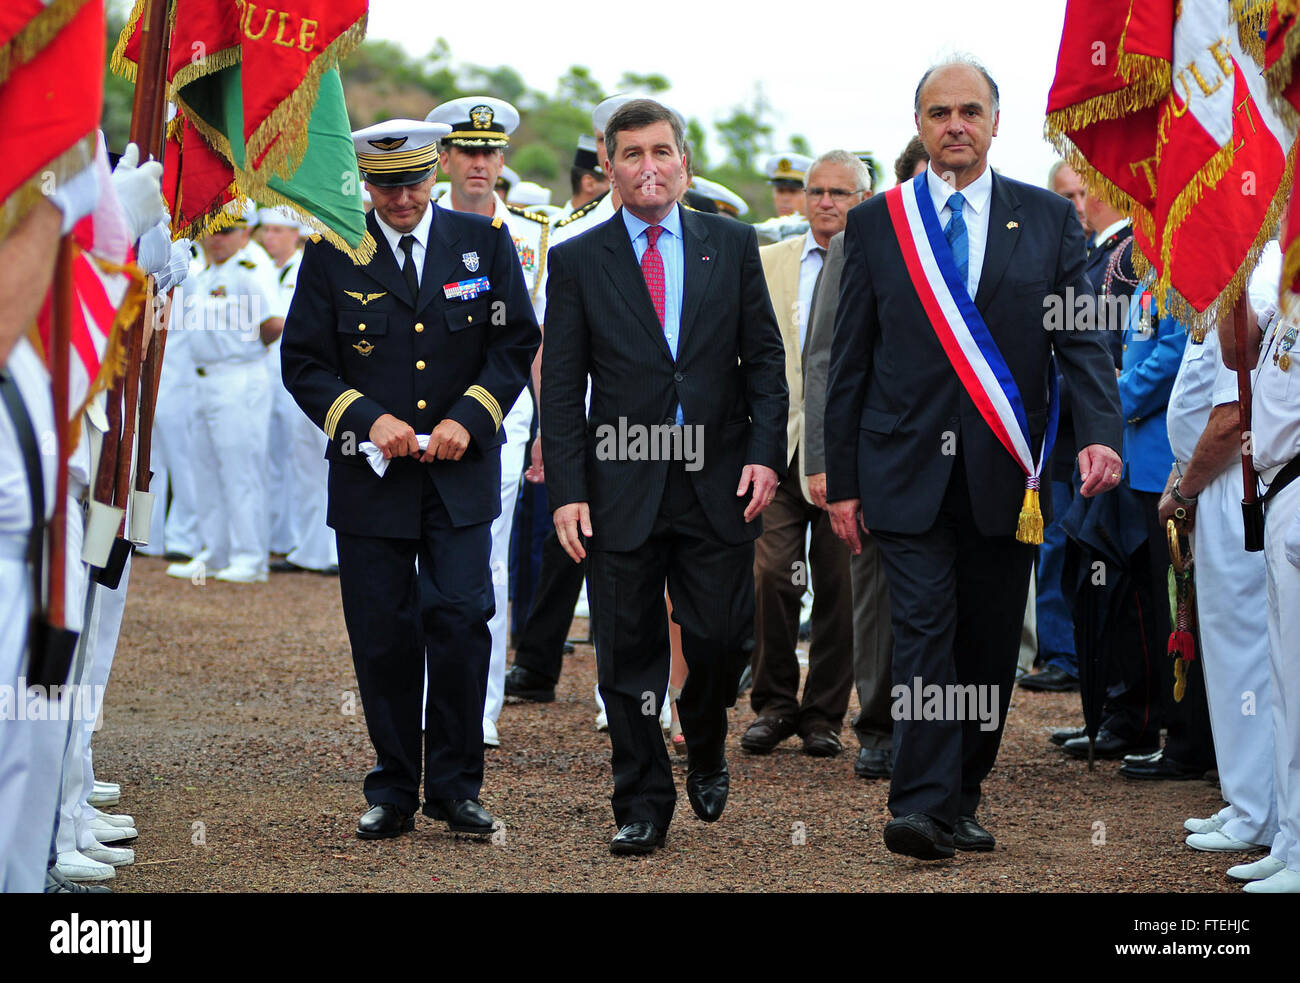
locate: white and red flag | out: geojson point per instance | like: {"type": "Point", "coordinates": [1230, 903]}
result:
{"type": "Point", "coordinates": [1162, 108]}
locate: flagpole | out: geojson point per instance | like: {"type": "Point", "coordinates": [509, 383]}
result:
{"type": "Point", "coordinates": [60, 344]}
{"type": "Point", "coordinates": [1252, 509]}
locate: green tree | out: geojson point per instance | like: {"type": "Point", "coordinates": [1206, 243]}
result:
{"type": "Point", "coordinates": [535, 162]}
{"type": "Point", "coordinates": [503, 82]}
{"type": "Point", "coordinates": [799, 144]}
{"type": "Point", "coordinates": [579, 89]}
{"type": "Point", "coordinates": [745, 132]}
{"type": "Point", "coordinates": [652, 83]}
{"type": "Point", "coordinates": [698, 140]}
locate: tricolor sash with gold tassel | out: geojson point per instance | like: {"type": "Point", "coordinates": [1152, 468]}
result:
{"type": "Point", "coordinates": [966, 340]}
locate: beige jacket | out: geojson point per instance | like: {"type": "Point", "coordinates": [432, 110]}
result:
{"type": "Point", "coordinates": [781, 268]}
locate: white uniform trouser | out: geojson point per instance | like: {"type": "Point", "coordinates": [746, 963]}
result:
{"type": "Point", "coordinates": [232, 414]}
{"type": "Point", "coordinates": [102, 634]}
{"type": "Point", "coordinates": [1284, 665]}
{"type": "Point", "coordinates": [281, 478]}
{"type": "Point", "coordinates": [174, 528]}
{"type": "Point", "coordinates": [314, 546]}
{"type": "Point", "coordinates": [516, 424]}
{"type": "Point", "coordinates": [1230, 589]}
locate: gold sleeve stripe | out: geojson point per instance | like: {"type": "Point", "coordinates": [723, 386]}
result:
{"type": "Point", "coordinates": [489, 403]}
{"type": "Point", "coordinates": [335, 413]}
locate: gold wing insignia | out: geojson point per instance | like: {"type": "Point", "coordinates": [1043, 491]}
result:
{"type": "Point", "coordinates": [365, 298]}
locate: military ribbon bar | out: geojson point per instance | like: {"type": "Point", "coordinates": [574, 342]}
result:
{"type": "Point", "coordinates": [966, 340]}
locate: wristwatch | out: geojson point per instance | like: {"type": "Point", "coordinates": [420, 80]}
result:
{"type": "Point", "coordinates": [1178, 496]}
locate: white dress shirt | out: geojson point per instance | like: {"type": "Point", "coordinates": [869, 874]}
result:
{"type": "Point", "coordinates": [810, 264]}
{"type": "Point", "coordinates": [975, 212]}
{"type": "Point", "coordinates": [421, 233]}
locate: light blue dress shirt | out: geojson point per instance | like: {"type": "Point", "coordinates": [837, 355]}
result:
{"type": "Point", "coordinates": [671, 248]}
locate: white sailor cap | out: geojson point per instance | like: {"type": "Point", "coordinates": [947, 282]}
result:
{"type": "Point", "coordinates": [280, 215]}
{"type": "Point", "coordinates": [477, 121]}
{"type": "Point", "coordinates": [243, 214]}
{"type": "Point", "coordinates": [727, 200]}
{"type": "Point", "coordinates": [440, 188]}
{"type": "Point", "coordinates": [508, 179]}
{"type": "Point", "coordinates": [584, 157]}
{"type": "Point", "coordinates": [787, 166]}
{"type": "Point", "coordinates": [601, 114]}
{"type": "Point", "coordinates": [527, 193]}
{"type": "Point", "coordinates": [398, 152]}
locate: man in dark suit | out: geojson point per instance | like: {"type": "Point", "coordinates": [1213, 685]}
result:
{"type": "Point", "coordinates": [910, 457]}
{"type": "Point", "coordinates": [418, 352]}
{"type": "Point", "coordinates": [663, 479]}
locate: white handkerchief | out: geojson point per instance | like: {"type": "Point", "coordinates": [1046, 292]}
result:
{"type": "Point", "coordinates": [376, 457]}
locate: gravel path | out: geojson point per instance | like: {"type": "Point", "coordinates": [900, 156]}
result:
{"type": "Point", "coordinates": [233, 725]}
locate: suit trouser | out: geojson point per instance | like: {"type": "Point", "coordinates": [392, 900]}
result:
{"type": "Point", "coordinates": [958, 604]}
{"type": "Point", "coordinates": [541, 645]}
{"type": "Point", "coordinates": [873, 647]}
{"type": "Point", "coordinates": [778, 559]}
{"type": "Point", "coordinates": [1284, 670]}
{"type": "Point", "coordinates": [1231, 587]}
{"type": "Point", "coordinates": [414, 606]}
{"type": "Point", "coordinates": [1055, 624]}
{"type": "Point", "coordinates": [712, 587]}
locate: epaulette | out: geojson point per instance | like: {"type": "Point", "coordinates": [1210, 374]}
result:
{"type": "Point", "coordinates": [577, 213]}
{"type": "Point", "coordinates": [248, 264]}
{"type": "Point", "coordinates": [525, 213]}
{"type": "Point", "coordinates": [496, 222]}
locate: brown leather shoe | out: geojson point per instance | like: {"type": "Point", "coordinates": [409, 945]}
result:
{"type": "Point", "coordinates": [822, 742]}
{"type": "Point", "coordinates": [766, 733]}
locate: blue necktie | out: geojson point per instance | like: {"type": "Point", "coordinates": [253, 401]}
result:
{"type": "Point", "coordinates": [956, 236]}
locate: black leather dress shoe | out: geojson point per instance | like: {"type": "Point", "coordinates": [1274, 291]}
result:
{"type": "Point", "coordinates": [1051, 680]}
{"type": "Point", "coordinates": [1159, 766]}
{"type": "Point", "coordinates": [968, 834]}
{"type": "Point", "coordinates": [1063, 734]}
{"type": "Point", "coordinates": [874, 762]}
{"type": "Point", "coordinates": [1108, 746]}
{"type": "Point", "coordinates": [765, 733]}
{"type": "Point", "coordinates": [524, 684]}
{"type": "Point", "coordinates": [461, 815]}
{"type": "Point", "coordinates": [707, 789]}
{"type": "Point", "coordinates": [636, 839]}
{"type": "Point", "coordinates": [383, 821]}
{"type": "Point", "coordinates": [822, 742]}
{"type": "Point", "coordinates": [284, 566]}
{"type": "Point", "coordinates": [917, 835]}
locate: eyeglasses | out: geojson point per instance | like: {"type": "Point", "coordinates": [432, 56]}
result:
{"type": "Point", "coordinates": [837, 194]}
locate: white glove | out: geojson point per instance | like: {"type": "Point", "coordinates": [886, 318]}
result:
{"type": "Point", "coordinates": [155, 249]}
{"type": "Point", "coordinates": [177, 269]}
{"type": "Point", "coordinates": [375, 457]}
{"type": "Point", "coordinates": [139, 189]}
{"type": "Point", "coordinates": [76, 197]}
{"type": "Point", "coordinates": [1292, 542]}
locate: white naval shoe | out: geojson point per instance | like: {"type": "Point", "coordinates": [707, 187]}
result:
{"type": "Point", "coordinates": [76, 866]}
{"type": "Point", "coordinates": [1257, 871]}
{"type": "Point", "coordinates": [108, 787]}
{"type": "Point", "coordinates": [99, 798]}
{"type": "Point", "coordinates": [240, 575]}
{"type": "Point", "coordinates": [1221, 842]}
{"type": "Point", "coordinates": [107, 832]}
{"type": "Point", "coordinates": [490, 736]}
{"type": "Point", "coordinates": [195, 570]}
{"type": "Point", "coordinates": [120, 819]}
{"type": "Point", "coordinates": [1211, 825]}
{"type": "Point", "coordinates": [1285, 881]}
{"type": "Point", "coordinates": [111, 855]}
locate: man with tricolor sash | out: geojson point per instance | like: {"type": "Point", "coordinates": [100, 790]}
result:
{"type": "Point", "coordinates": [941, 408]}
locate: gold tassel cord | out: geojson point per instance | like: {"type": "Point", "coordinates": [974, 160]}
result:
{"type": "Point", "coordinates": [120, 64]}
{"type": "Point", "coordinates": [30, 40]}
{"type": "Point", "coordinates": [289, 119]}
{"type": "Point", "coordinates": [1030, 527]}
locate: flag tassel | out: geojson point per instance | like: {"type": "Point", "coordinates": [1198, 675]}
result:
{"type": "Point", "coordinates": [1030, 527]}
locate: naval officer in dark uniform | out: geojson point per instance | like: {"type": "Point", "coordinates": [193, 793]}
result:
{"type": "Point", "coordinates": [413, 357]}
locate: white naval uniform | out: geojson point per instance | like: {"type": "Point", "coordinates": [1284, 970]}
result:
{"type": "Point", "coordinates": [1230, 607]}
{"type": "Point", "coordinates": [30, 750]}
{"type": "Point", "coordinates": [279, 469]}
{"type": "Point", "coordinates": [531, 238]}
{"type": "Point", "coordinates": [226, 303]}
{"type": "Point", "coordinates": [304, 468]}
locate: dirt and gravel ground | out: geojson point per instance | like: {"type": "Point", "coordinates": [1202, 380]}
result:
{"type": "Point", "coordinates": [228, 723]}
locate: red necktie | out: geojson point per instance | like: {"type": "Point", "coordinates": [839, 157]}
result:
{"type": "Point", "coordinates": [652, 268]}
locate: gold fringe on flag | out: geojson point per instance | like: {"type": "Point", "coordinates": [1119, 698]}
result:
{"type": "Point", "coordinates": [33, 36]}
{"type": "Point", "coordinates": [119, 64]}
{"type": "Point", "coordinates": [1279, 74]}
{"type": "Point", "coordinates": [62, 167]}
{"type": "Point", "coordinates": [1096, 182]}
{"type": "Point", "coordinates": [289, 119]}
{"type": "Point", "coordinates": [1251, 17]}
{"type": "Point", "coordinates": [1030, 527]}
{"type": "Point", "coordinates": [216, 61]}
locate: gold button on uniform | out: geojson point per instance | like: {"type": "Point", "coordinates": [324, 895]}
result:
{"type": "Point", "coordinates": [361, 327]}
{"type": "Point", "coordinates": [420, 405]}
{"type": "Point", "coordinates": [470, 319]}
{"type": "Point", "coordinates": [420, 365]}
{"type": "Point", "coordinates": [418, 327]}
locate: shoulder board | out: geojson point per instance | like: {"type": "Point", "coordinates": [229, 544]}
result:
{"type": "Point", "coordinates": [496, 222]}
{"type": "Point", "coordinates": [579, 212]}
{"type": "Point", "coordinates": [688, 207]}
{"type": "Point", "coordinates": [525, 213]}
{"type": "Point", "coordinates": [248, 264]}
{"type": "Point", "coordinates": [315, 237]}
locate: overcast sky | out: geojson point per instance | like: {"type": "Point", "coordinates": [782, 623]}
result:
{"type": "Point", "coordinates": [841, 74]}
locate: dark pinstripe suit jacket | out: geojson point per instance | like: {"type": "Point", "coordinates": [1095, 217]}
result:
{"type": "Point", "coordinates": [728, 377]}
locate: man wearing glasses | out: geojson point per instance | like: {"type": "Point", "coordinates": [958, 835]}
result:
{"type": "Point", "coordinates": [837, 181]}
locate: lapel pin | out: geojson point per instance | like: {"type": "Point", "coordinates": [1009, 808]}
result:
{"type": "Point", "coordinates": [704, 259]}
{"type": "Point", "coordinates": [1013, 225]}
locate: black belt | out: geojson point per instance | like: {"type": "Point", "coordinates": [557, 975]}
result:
{"type": "Point", "coordinates": [1290, 471]}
